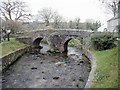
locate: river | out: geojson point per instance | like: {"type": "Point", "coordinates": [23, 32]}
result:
{"type": "Point", "coordinates": [48, 70]}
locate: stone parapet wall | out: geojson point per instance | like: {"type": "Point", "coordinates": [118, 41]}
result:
{"type": "Point", "coordinates": [82, 33]}
{"type": "Point", "coordinates": [11, 57]}
{"type": "Point", "coordinates": [93, 68]}
{"type": "Point", "coordinates": [25, 40]}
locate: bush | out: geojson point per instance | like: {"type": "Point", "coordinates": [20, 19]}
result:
{"type": "Point", "coordinates": [118, 27]}
{"type": "Point", "coordinates": [103, 41]}
{"type": "Point", "coordinates": [75, 43]}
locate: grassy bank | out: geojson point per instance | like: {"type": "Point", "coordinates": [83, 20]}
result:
{"type": "Point", "coordinates": [8, 46]}
{"type": "Point", "coordinates": [106, 75]}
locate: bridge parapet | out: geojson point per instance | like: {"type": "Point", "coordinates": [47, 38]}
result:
{"type": "Point", "coordinates": [63, 32]}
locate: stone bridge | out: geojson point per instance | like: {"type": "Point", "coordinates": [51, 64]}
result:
{"type": "Point", "coordinates": [56, 39]}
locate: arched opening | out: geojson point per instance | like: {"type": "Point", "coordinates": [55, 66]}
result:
{"type": "Point", "coordinates": [36, 42]}
{"type": "Point", "coordinates": [73, 42]}
{"type": "Point", "coordinates": [73, 48]}
{"type": "Point", "coordinates": [66, 45]}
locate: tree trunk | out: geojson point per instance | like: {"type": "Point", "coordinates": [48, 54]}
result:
{"type": "Point", "coordinates": [9, 13]}
{"type": "Point", "coordinates": [8, 37]}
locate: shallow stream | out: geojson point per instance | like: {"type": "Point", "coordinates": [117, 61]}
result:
{"type": "Point", "coordinates": [48, 70]}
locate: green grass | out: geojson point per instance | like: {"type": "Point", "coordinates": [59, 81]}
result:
{"type": "Point", "coordinates": [106, 75]}
{"type": "Point", "coordinates": [8, 46]}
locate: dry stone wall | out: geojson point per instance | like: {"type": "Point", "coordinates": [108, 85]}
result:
{"type": "Point", "coordinates": [11, 57]}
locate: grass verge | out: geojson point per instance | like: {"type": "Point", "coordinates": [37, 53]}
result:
{"type": "Point", "coordinates": [8, 46]}
{"type": "Point", "coordinates": [106, 75]}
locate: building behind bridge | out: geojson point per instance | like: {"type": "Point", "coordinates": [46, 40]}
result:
{"type": "Point", "coordinates": [112, 24]}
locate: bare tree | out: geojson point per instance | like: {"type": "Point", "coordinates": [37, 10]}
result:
{"type": "Point", "coordinates": [119, 10]}
{"type": "Point", "coordinates": [77, 22]}
{"type": "Point", "coordinates": [92, 25]}
{"type": "Point", "coordinates": [46, 15]}
{"type": "Point", "coordinates": [111, 6]}
{"type": "Point", "coordinates": [71, 24]}
{"type": "Point", "coordinates": [57, 20]}
{"type": "Point", "coordinates": [14, 10]}
{"type": "Point", "coordinates": [88, 23]}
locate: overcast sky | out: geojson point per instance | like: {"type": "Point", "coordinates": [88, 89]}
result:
{"type": "Point", "coordinates": [70, 9]}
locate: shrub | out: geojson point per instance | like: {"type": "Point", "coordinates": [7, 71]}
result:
{"type": "Point", "coordinates": [75, 43]}
{"type": "Point", "coordinates": [118, 27]}
{"type": "Point", "coordinates": [103, 41]}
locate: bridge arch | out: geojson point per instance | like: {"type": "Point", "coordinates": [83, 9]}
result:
{"type": "Point", "coordinates": [66, 44]}
{"type": "Point", "coordinates": [69, 39]}
{"type": "Point", "coordinates": [36, 42]}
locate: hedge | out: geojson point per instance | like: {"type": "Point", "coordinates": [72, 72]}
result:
{"type": "Point", "coordinates": [103, 41]}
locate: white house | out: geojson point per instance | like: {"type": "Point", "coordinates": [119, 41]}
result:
{"type": "Point", "coordinates": [112, 23]}
{"type": "Point", "coordinates": [102, 28]}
